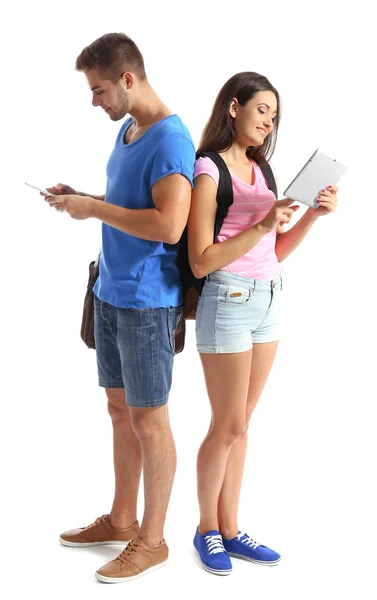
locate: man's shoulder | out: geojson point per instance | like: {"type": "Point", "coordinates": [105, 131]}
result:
{"type": "Point", "coordinates": [173, 126]}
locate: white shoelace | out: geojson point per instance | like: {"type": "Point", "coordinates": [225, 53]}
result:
{"type": "Point", "coordinates": [214, 543]}
{"type": "Point", "coordinates": [248, 540]}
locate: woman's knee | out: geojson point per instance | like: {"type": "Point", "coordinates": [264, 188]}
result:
{"type": "Point", "coordinates": [245, 432]}
{"type": "Point", "coordinates": [230, 431]}
{"type": "Point", "coordinates": [249, 411]}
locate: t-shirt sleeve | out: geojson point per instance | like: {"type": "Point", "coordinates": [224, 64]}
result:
{"type": "Point", "coordinates": [175, 154]}
{"type": "Point", "coordinates": [205, 166]}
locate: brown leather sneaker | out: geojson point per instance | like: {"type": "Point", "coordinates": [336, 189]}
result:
{"type": "Point", "coordinates": [135, 560]}
{"type": "Point", "coordinates": [99, 533]}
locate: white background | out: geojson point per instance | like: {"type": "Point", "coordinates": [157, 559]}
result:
{"type": "Point", "coordinates": [309, 480]}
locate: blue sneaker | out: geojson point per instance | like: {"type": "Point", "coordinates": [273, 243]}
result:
{"type": "Point", "coordinates": [243, 546]}
{"type": "Point", "coordinates": [211, 552]}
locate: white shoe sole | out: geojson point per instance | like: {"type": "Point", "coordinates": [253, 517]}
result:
{"type": "Point", "coordinates": [213, 571]}
{"type": "Point", "coordinates": [257, 562]}
{"type": "Point", "coordinates": [105, 579]}
{"type": "Point", "coordinates": [87, 544]}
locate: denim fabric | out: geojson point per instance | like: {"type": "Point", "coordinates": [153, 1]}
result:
{"type": "Point", "coordinates": [135, 350]}
{"type": "Point", "coordinates": [236, 312]}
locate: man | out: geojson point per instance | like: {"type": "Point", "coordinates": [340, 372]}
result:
{"type": "Point", "coordinates": [137, 296]}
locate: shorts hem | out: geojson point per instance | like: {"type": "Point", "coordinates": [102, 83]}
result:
{"type": "Point", "coordinates": [223, 349]}
{"type": "Point", "coordinates": [267, 340]}
{"type": "Point", "coordinates": [111, 385]}
{"type": "Point", "coordinates": [134, 403]}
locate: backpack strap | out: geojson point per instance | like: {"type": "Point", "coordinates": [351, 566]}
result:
{"type": "Point", "coordinates": [192, 286]}
{"type": "Point", "coordinates": [224, 196]}
{"type": "Point", "coordinates": [268, 175]}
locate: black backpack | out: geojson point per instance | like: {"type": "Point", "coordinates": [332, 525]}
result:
{"type": "Point", "coordinates": [192, 287]}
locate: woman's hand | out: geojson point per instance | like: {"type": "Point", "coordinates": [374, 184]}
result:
{"type": "Point", "coordinates": [327, 201]}
{"type": "Point", "coordinates": [280, 214]}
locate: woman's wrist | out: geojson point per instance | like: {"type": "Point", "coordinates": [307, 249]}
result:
{"type": "Point", "coordinates": [311, 215]}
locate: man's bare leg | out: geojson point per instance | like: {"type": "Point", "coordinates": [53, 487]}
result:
{"type": "Point", "coordinates": [127, 460]}
{"type": "Point", "coordinates": [153, 430]}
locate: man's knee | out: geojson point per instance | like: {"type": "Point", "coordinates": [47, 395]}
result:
{"type": "Point", "coordinates": [116, 405]}
{"type": "Point", "coordinates": [149, 422]}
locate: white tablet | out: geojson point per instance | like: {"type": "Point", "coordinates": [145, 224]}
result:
{"type": "Point", "coordinates": [320, 171]}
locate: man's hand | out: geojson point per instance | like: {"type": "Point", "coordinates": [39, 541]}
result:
{"type": "Point", "coordinates": [61, 189]}
{"type": "Point", "coordinates": [78, 207]}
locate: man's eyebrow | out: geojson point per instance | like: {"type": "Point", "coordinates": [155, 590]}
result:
{"type": "Point", "coordinates": [96, 87]}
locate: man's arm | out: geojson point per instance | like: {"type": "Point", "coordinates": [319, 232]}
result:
{"type": "Point", "coordinates": [62, 189]}
{"type": "Point", "coordinates": [102, 197]}
{"type": "Point", "coordinates": [163, 223]}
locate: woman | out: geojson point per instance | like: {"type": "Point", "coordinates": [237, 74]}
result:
{"type": "Point", "coordinates": [237, 323]}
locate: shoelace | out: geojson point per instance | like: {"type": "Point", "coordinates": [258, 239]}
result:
{"type": "Point", "coordinates": [248, 540]}
{"type": "Point", "coordinates": [214, 543]}
{"type": "Point", "coordinates": [128, 551]}
{"type": "Point", "coordinates": [97, 521]}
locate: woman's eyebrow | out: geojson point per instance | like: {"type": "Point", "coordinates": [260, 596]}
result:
{"type": "Point", "coordinates": [266, 105]}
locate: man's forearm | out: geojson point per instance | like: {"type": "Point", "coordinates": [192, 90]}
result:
{"type": "Point", "coordinates": [92, 196]}
{"type": "Point", "coordinates": [148, 224]}
{"type": "Point", "coordinates": [288, 241]}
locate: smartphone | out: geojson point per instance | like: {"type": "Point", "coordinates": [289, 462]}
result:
{"type": "Point", "coordinates": [39, 189]}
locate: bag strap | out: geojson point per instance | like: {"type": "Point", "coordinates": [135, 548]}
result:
{"type": "Point", "coordinates": [268, 175]}
{"type": "Point", "coordinates": [224, 196]}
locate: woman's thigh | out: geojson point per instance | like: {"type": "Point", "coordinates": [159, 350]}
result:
{"type": "Point", "coordinates": [227, 379]}
{"type": "Point", "coordinates": [261, 364]}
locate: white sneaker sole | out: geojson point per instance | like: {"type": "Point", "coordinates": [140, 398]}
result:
{"type": "Point", "coordinates": [257, 562]}
{"type": "Point", "coordinates": [105, 579]}
{"type": "Point", "coordinates": [213, 571]}
{"type": "Point", "coordinates": [87, 544]}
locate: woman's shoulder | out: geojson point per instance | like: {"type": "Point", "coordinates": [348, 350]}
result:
{"type": "Point", "coordinates": [205, 166]}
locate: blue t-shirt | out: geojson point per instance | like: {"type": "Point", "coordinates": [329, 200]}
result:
{"type": "Point", "coordinates": [136, 273]}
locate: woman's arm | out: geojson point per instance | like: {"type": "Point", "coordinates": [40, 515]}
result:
{"type": "Point", "coordinates": [287, 242]}
{"type": "Point", "coordinates": [205, 256]}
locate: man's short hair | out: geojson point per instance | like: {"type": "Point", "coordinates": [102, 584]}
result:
{"type": "Point", "coordinates": [112, 54]}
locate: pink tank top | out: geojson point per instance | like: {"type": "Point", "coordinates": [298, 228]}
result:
{"type": "Point", "coordinates": [251, 203]}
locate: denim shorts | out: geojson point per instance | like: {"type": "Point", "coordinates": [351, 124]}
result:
{"type": "Point", "coordinates": [236, 312]}
{"type": "Point", "coordinates": [135, 350]}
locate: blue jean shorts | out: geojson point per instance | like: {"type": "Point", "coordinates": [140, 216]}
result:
{"type": "Point", "coordinates": [135, 350]}
{"type": "Point", "coordinates": [236, 312]}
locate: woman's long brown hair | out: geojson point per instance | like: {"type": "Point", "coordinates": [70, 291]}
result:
{"type": "Point", "coordinates": [219, 132]}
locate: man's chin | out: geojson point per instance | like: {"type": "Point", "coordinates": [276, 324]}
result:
{"type": "Point", "coordinates": [116, 116]}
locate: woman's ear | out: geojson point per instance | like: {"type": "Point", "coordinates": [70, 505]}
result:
{"type": "Point", "coordinates": [233, 108]}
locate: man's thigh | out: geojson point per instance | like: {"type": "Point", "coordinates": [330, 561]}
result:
{"type": "Point", "coordinates": [146, 346]}
{"type": "Point", "coordinates": [136, 347]}
{"type": "Point", "coordinates": [109, 364]}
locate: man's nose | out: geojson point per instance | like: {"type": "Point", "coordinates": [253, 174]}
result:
{"type": "Point", "coordinates": [95, 100]}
